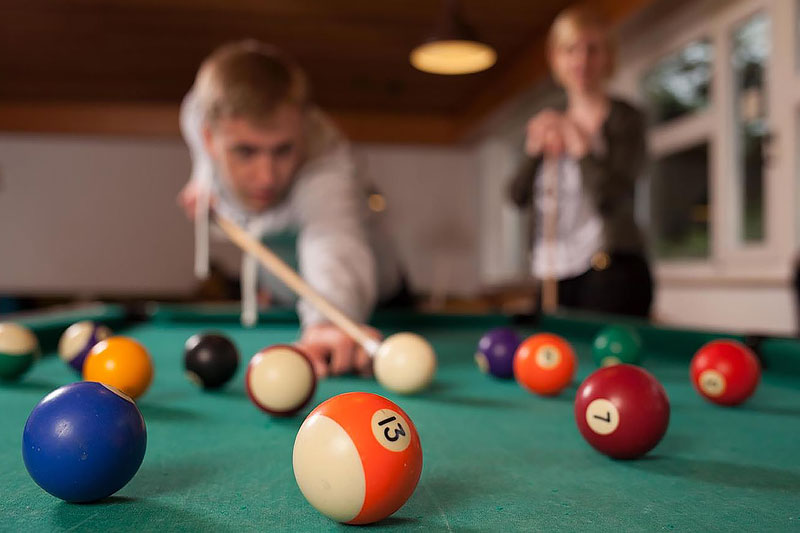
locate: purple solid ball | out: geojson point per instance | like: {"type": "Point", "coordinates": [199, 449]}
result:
{"type": "Point", "coordinates": [496, 350]}
{"type": "Point", "coordinates": [78, 340]}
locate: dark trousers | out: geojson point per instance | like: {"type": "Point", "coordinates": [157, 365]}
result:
{"type": "Point", "coordinates": [623, 287]}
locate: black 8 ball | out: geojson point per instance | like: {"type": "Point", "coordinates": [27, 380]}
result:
{"type": "Point", "coordinates": [210, 359]}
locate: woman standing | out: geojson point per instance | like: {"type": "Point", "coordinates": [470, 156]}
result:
{"type": "Point", "coordinates": [597, 147]}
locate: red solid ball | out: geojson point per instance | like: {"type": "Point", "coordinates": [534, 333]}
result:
{"type": "Point", "coordinates": [545, 364]}
{"type": "Point", "coordinates": [622, 411]}
{"type": "Point", "coordinates": [725, 372]}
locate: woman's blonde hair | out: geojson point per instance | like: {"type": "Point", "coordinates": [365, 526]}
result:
{"type": "Point", "coordinates": [577, 19]}
{"type": "Point", "coordinates": [248, 79]}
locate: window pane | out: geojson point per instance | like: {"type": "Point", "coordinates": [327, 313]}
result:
{"type": "Point", "coordinates": [679, 83]}
{"type": "Point", "coordinates": [750, 54]}
{"type": "Point", "coordinates": [679, 204]}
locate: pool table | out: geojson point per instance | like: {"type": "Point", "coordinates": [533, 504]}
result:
{"type": "Point", "coordinates": [495, 456]}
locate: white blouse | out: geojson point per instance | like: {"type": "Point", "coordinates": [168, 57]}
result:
{"type": "Point", "coordinates": [579, 228]}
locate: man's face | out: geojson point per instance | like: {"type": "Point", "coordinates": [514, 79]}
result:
{"type": "Point", "coordinates": [258, 161]}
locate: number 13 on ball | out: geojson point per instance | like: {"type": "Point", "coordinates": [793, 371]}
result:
{"type": "Point", "coordinates": [357, 458]}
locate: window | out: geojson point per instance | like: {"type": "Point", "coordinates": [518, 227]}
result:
{"type": "Point", "coordinates": [679, 204]}
{"type": "Point", "coordinates": [749, 56]}
{"type": "Point", "coordinates": [679, 84]}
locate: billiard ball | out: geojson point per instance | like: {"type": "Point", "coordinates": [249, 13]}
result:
{"type": "Point", "coordinates": [725, 372]}
{"type": "Point", "coordinates": [545, 364]}
{"type": "Point", "coordinates": [615, 345]}
{"type": "Point", "coordinates": [210, 359]}
{"type": "Point", "coordinates": [122, 363]}
{"type": "Point", "coordinates": [496, 351]}
{"type": "Point", "coordinates": [622, 411]}
{"type": "Point", "coordinates": [19, 349]}
{"type": "Point", "coordinates": [405, 363]}
{"type": "Point", "coordinates": [78, 339]}
{"type": "Point", "coordinates": [280, 380]}
{"type": "Point", "coordinates": [83, 442]}
{"type": "Point", "coordinates": [357, 458]}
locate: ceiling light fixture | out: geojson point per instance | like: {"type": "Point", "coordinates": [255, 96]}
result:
{"type": "Point", "coordinates": [453, 48]}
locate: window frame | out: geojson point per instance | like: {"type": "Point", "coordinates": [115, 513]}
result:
{"type": "Point", "coordinates": [730, 257]}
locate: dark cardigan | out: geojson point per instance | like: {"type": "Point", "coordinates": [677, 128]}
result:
{"type": "Point", "coordinates": [609, 180]}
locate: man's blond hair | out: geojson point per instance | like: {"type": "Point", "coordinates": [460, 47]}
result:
{"type": "Point", "coordinates": [248, 79]}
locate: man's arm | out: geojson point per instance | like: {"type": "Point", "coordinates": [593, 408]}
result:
{"type": "Point", "coordinates": [333, 248]}
{"type": "Point", "coordinates": [335, 256]}
{"type": "Point", "coordinates": [191, 122]}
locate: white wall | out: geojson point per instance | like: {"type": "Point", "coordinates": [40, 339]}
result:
{"type": "Point", "coordinates": [737, 309]}
{"type": "Point", "coordinates": [91, 216]}
{"type": "Point", "coordinates": [432, 196]}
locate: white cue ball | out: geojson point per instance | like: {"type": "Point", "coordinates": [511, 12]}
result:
{"type": "Point", "coordinates": [405, 363]}
{"type": "Point", "coordinates": [280, 380]}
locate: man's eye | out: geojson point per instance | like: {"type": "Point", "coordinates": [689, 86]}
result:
{"type": "Point", "coordinates": [283, 150]}
{"type": "Point", "coordinates": [244, 152]}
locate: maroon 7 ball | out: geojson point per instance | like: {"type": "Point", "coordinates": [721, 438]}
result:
{"type": "Point", "coordinates": [622, 411]}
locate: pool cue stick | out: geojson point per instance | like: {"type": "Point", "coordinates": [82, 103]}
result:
{"type": "Point", "coordinates": [298, 285]}
{"type": "Point", "coordinates": [549, 229]}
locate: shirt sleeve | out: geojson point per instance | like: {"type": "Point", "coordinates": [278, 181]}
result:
{"type": "Point", "coordinates": [612, 176]}
{"type": "Point", "coordinates": [191, 122]}
{"type": "Point", "coordinates": [334, 254]}
{"type": "Point", "coordinates": [520, 188]}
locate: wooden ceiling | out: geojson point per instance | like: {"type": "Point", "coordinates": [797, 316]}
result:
{"type": "Point", "coordinates": [142, 54]}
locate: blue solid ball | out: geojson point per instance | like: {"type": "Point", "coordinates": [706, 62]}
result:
{"type": "Point", "coordinates": [83, 442]}
{"type": "Point", "coordinates": [496, 350]}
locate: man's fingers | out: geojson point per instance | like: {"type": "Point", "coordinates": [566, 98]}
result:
{"type": "Point", "coordinates": [318, 355]}
{"type": "Point", "coordinates": [342, 356]}
{"type": "Point", "coordinates": [363, 362]}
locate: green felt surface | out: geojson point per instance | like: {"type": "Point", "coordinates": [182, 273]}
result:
{"type": "Point", "coordinates": [496, 458]}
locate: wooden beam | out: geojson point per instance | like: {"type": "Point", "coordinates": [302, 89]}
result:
{"type": "Point", "coordinates": [145, 120]}
{"type": "Point", "coordinates": [90, 119]}
{"type": "Point", "coordinates": [397, 128]}
{"type": "Point", "coordinates": [161, 120]}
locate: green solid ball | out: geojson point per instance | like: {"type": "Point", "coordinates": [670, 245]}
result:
{"type": "Point", "coordinates": [18, 350]}
{"type": "Point", "coordinates": [617, 344]}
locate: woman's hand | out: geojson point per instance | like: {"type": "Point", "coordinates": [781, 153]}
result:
{"type": "Point", "coordinates": [552, 134]}
{"type": "Point", "coordinates": [544, 134]}
{"type": "Point", "coordinates": [576, 142]}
